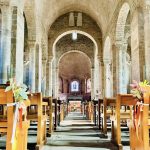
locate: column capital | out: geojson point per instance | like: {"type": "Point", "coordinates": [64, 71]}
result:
{"type": "Point", "coordinates": [44, 61]}
{"type": "Point", "coordinates": [31, 43]}
{"type": "Point", "coordinates": [50, 58]}
{"type": "Point", "coordinates": [4, 7]}
{"type": "Point", "coordinates": [100, 58]}
{"type": "Point", "coordinates": [107, 61]}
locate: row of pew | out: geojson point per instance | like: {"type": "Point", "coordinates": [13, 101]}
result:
{"type": "Point", "coordinates": [45, 111]}
{"type": "Point", "coordinates": [123, 109]}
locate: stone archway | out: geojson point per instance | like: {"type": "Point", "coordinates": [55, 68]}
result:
{"type": "Point", "coordinates": [74, 66]}
{"type": "Point", "coordinates": [92, 54]}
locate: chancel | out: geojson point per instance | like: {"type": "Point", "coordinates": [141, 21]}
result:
{"type": "Point", "coordinates": [74, 74]}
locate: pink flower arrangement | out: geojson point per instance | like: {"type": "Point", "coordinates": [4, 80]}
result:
{"type": "Point", "coordinates": [138, 89]}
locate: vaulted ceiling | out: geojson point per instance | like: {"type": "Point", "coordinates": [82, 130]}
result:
{"type": "Point", "coordinates": [74, 65]}
{"type": "Point", "coordinates": [100, 10]}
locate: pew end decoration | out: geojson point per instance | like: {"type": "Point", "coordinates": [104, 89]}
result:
{"type": "Point", "coordinates": [138, 89]}
{"type": "Point", "coordinates": [20, 123]}
{"type": "Point", "coordinates": [140, 121]}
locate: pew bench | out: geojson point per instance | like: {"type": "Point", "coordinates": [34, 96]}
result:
{"type": "Point", "coordinates": [126, 100]}
{"type": "Point", "coordinates": [6, 123]}
{"type": "Point", "coordinates": [107, 111]}
{"type": "Point", "coordinates": [49, 112]}
{"type": "Point", "coordinates": [38, 114]}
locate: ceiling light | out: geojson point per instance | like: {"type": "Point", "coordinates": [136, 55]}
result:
{"type": "Point", "coordinates": [74, 35]}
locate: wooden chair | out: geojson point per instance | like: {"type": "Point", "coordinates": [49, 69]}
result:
{"type": "Point", "coordinates": [119, 114]}
{"type": "Point", "coordinates": [40, 116]}
{"type": "Point", "coordinates": [140, 138]}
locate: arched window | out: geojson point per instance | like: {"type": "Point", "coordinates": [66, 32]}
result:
{"type": "Point", "coordinates": [75, 86]}
{"type": "Point", "coordinates": [88, 86]}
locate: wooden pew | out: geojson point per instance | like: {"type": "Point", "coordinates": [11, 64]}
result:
{"type": "Point", "coordinates": [107, 111]}
{"type": "Point", "coordinates": [62, 111]}
{"type": "Point", "coordinates": [40, 116]}
{"type": "Point", "coordinates": [100, 102]}
{"type": "Point", "coordinates": [140, 139]}
{"type": "Point", "coordinates": [118, 115]}
{"type": "Point", "coordinates": [95, 110]}
{"type": "Point", "coordinates": [89, 111]}
{"type": "Point", "coordinates": [56, 108]}
{"type": "Point", "coordinates": [49, 114]}
{"type": "Point", "coordinates": [6, 124]}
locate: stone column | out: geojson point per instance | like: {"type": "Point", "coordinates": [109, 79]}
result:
{"type": "Point", "coordinates": [101, 77]}
{"type": "Point", "coordinates": [31, 45]}
{"type": "Point", "coordinates": [114, 67]}
{"type": "Point", "coordinates": [17, 44]}
{"type": "Point", "coordinates": [85, 82]}
{"type": "Point", "coordinates": [147, 40]}
{"type": "Point", "coordinates": [38, 66]}
{"type": "Point", "coordinates": [49, 77]}
{"type": "Point", "coordinates": [107, 78]}
{"type": "Point", "coordinates": [56, 82]}
{"type": "Point", "coordinates": [5, 43]}
{"type": "Point", "coordinates": [124, 69]}
{"type": "Point", "coordinates": [136, 48]}
{"type": "Point", "coordinates": [92, 83]}
{"type": "Point", "coordinates": [44, 65]}
{"type": "Point", "coordinates": [120, 66]}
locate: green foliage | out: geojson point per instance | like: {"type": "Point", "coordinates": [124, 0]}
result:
{"type": "Point", "coordinates": [19, 91]}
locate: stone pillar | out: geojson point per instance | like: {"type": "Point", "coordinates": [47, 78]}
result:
{"type": "Point", "coordinates": [31, 45]}
{"type": "Point", "coordinates": [124, 69]}
{"type": "Point", "coordinates": [5, 43]}
{"type": "Point", "coordinates": [107, 78]}
{"type": "Point", "coordinates": [92, 83]}
{"type": "Point", "coordinates": [101, 77]}
{"type": "Point", "coordinates": [56, 86]}
{"type": "Point", "coordinates": [147, 40]}
{"type": "Point", "coordinates": [17, 44]}
{"type": "Point", "coordinates": [49, 77]}
{"type": "Point", "coordinates": [136, 48]}
{"type": "Point", "coordinates": [38, 66]}
{"type": "Point", "coordinates": [44, 65]}
{"type": "Point", "coordinates": [120, 66]}
{"type": "Point", "coordinates": [114, 67]}
{"type": "Point", "coordinates": [85, 82]}
{"type": "Point", "coordinates": [65, 82]}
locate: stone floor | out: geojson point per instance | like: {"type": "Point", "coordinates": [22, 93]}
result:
{"type": "Point", "coordinates": [77, 133]}
{"type": "Point", "coordinates": [74, 133]}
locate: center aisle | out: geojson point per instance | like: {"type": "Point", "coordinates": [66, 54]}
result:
{"type": "Point", "coordinates": [77, 133]}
